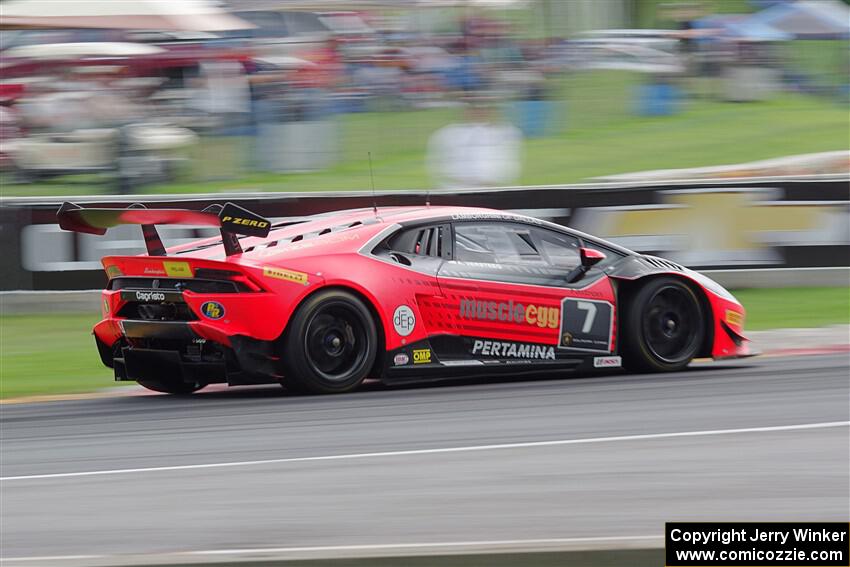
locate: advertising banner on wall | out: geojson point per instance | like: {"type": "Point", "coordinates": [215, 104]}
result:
{"type": "Point", "coordinates": [741, 223]}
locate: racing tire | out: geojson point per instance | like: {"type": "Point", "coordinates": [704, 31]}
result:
{"type": "Point", "coordinates": [663, 327]}
{"type": "Point", "coordinates": [330, 345]}
{"type": "Point", "coordinates": [171, 387]}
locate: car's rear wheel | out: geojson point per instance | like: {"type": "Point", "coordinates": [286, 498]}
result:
{"type": "Point", "coordinates": [330, 345]}
{"type": "Point", "coordinates": [663, 327]}
{"type": "Point", "coordinates": [172, 387]}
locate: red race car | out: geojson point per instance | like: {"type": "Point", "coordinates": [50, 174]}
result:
{"type": "Point", "coordinates": [400, 294]}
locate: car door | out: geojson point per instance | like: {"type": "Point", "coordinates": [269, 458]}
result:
{"type": "Point", "coordinates": [508, 297]}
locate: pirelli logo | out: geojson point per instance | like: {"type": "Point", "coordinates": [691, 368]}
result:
{"type": "Point", "coordinates": [286, 275]}
{"type": "Point", "coordinates": [234, 218]}
{"type": "Point", "coordinates": [255, 223]}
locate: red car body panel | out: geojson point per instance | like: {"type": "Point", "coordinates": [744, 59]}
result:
{"type": "Point", "coordinates": [415, 309]}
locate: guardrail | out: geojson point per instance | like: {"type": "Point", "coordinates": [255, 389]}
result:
{"type": "Point", "coordinates": [723, 225]}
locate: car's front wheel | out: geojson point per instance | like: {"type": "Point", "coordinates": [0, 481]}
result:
{"type": "Point", "coordinates": [330, 345]}
{"type": "Point", "coordinates": [663, 327]}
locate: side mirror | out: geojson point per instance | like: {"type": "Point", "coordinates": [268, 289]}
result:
{"type": "Point", "coordinates": [590, 257]}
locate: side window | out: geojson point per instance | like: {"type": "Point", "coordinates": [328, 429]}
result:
{"type": "Point", "coordinates": [495, 243]}
{"type": "Point", "coordinates": [560, 250]}
{"type": "Point", "coordinates": [508, 243]}
{"type": "Point", "coordinates": [420, 241]}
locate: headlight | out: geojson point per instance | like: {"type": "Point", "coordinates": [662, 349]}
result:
{"type": "Point", "coordinates": [712, 286]}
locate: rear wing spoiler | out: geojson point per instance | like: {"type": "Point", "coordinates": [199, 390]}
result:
{"type": "Point", "coordinates": [231, 219]}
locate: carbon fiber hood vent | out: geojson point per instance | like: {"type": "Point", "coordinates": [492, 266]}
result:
{"type": "Point", "coordinates": [661, 263]}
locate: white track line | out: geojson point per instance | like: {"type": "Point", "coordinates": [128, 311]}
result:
{"type": "Point", "coordinates": [46, 558]}
{"type": "Point", "coordinates": [431, 545]}
{"type": "Point", "coordinates": [527, 444]}
{"type": "Point", "coordinates": [386, 549]}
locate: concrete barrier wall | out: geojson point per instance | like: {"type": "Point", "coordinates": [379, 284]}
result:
{"type": "Point", "coordinates": [717, 225]}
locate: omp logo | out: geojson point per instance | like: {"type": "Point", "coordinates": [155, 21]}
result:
{"type": "Point", "coordinates": [542, 316]}
{"type": "Point", "coordinates": [245, 222]}
{"type": "Point", "coordinates": [149, 296]}
{"type": "Point", "coordinates": [502, 349]}
{"type": "Point", "coordinates": [421, 356]}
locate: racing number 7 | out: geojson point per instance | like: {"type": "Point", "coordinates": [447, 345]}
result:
{"type": "Point", "coordinates": [589, 316]}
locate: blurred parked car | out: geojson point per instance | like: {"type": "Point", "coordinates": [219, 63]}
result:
{"type": "Point", "coordinates": [136, 153]}
{"type": "Point", "coordinates": [279, 33]}
{"type": "Point", "coordinates": [642, 51]}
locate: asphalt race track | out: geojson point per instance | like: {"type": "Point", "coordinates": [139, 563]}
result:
{"type": "Point", "coordinates": [523, 464]}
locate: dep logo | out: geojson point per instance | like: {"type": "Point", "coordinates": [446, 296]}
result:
{"type": "Point", "coordinates": [404, 320]}
{"type": "Point", "coordinates": [212, 310]}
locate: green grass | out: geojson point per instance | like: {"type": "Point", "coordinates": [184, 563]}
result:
{"type": "Point", "coordinates": [827, 62]}
{"type": "Point", "coordinates": [795, 307]}
{"type": "Point", "coordinates": [55, 353]}
{"type": "Point", "coordinates": [49, 354]}
{"type": "Point", "coordinates": [655, 14]}
{"type": "Point", "coordinates": [598, 135]}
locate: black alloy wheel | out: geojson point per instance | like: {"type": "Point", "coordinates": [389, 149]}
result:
{"type": "Point", "coordinates": [664, 326]}
{"type": "Point", "coordinates": [330, 345]}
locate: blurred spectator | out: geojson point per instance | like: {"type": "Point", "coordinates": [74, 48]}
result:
{"type": "Point", "coordinates": [478, 152]}
{"type": "Point", "coordinates": [223, 92]}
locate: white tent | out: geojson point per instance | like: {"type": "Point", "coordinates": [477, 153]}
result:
{"type": "Point", "coordinates": [79, 50]}
{"type": "Point", "coordinates": [177, 15]}
{"type": "Point", "coordinates": [807, 18]}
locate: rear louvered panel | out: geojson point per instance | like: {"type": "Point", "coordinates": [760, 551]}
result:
{"type": "Point", "coordinates": [180, 284]}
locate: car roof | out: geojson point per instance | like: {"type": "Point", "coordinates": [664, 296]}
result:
{"type": "Point", "coordinates": [295, 229]}
{"type": "Point", "coordinates": [364, 222]}
{"type": "Point", "coordinates": [388, 215]}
